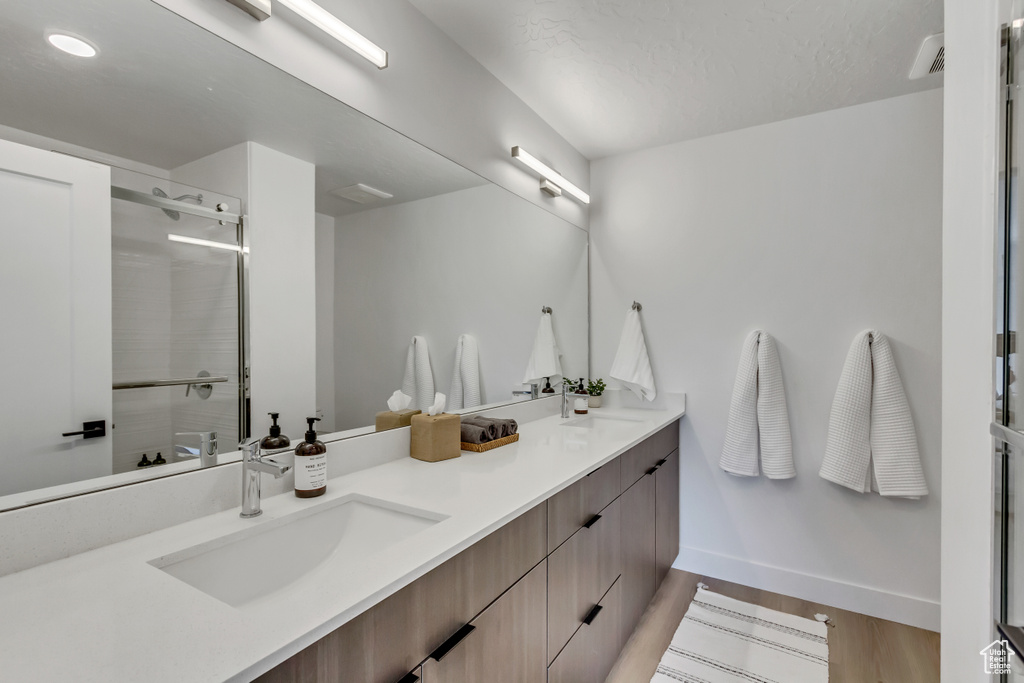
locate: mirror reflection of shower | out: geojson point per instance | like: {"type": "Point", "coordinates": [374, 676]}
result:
{"type": "Point", "coordinates": [171, 213]}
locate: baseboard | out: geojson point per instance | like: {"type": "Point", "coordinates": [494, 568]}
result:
{"type": "Point", "coordinates": [904, 609]}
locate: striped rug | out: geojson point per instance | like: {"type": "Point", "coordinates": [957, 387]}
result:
{"type": "Point", "coordinates": [721, 640]}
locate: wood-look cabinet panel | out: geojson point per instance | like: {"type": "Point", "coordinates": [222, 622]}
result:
{"type": "Point", "coordinates": [579, 573]}
{"type": "Point", "coordinates": [639, 571]}
{"type": "Point", "coordinates": [639, 459]}
{"type": "Point", "coordinates": [572, 507]}
{"type": "Point", "coordinates": [410, 624]}
{"type": "Point", "coordinates": [666, 516]}
{"type": "Point", "coordinates": [508, 642]}
{"type": "Point", "coordinates": [592, 651]}
{"type": "Point", "coordinates": [344, 655]}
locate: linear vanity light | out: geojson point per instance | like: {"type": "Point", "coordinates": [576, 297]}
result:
{"type": "Point", "coordinates": [204, 243]}
{"type": "Point", "coordinates": [549, 174]}
{"type": "Point", "coordinates": [339, 30]}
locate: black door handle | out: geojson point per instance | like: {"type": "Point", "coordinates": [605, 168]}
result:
{"type": "Point", "coordinates": [90, 430]}
{"type": "Point", "coordinates": [592, 614]}
{"type": "Point", "coordinates": [591, 522]}
{"type": "Point", "coordinates": [409, 678]}
{"type": "Point", "coordinates": [453, 642]}
{"type": "Point", "coordinates": [661, 462]}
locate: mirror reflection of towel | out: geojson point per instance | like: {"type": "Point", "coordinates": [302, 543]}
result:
{"type": "Point", "coordinates": [544, 360]}
{"type": "Point", "coordinates": [465, 389]}
{"type": "Point", "coordinates": [419, 380]}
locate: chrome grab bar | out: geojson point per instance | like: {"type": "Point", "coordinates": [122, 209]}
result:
{"type": "Point", "coordinates": [173, 205]}
{"type": "Point", "coordinates": [1007, 435]}
{"type": "Point", "coordinates": [143, 384]}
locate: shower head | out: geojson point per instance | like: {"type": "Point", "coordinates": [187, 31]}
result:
{"type": "Point", "coordinates": [171, 213]}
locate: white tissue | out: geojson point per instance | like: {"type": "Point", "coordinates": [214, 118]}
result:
{"type": "Point", "coordinates": [399, 401]}
{"type": "Point", "coordinates": [438, 407]}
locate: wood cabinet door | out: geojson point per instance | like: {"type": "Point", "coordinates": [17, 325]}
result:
{"type": "Point", "coordinates": [344, 655]}
{"type": "Point", "coordinates": [506, 644]}
{"type": "Point", "coordinates": [667, 515]}
{"type": "Point", "coordinates": [638, 460]}
{"type": "Point", "coordinates": [572, 507]}
{"type": "Point", "coordinates": [639, 572]}
{"type": "Point", "coordinates": [591, 653]}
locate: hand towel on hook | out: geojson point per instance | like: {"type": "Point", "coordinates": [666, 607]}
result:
{"type": "Point", "coordinates": [758, 416]}
{"type": "Point", "coordinates": [419, 379]}
{"type": "Point", "coordinates": [465, 389]}
{"type": "Point", "coordinates": [544, 359]}
{"type": "Point", "coordinates": [871, 443]}
{"type": "Point", "coordinates": [632, 364]}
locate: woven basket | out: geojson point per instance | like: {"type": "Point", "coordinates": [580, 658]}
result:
{"type": "Point", "coordinates": [490, 445]}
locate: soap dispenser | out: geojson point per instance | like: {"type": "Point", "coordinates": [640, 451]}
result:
{"type": "Point", "coordinates": [311, 464]}
{"type": "Point", "coordinates": [275, 441]}
{"type": "Point", "coordinates": [582, 405]}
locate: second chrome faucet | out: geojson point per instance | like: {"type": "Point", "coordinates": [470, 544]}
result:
{"type": "Point", "coordinates": [253, 464]}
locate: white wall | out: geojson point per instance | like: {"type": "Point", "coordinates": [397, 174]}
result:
{"type": "Point", "coordinates": [325, 322]}
{"type": "Point", "coordinates": [479, 261]}
{"type": "Point", "coordinates": [968, 290]}
{"type": "Point", "coordinates": [811, 229]}
{"type": "Point", "coordinates": [432, 90]}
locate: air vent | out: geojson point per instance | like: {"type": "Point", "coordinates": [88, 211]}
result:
{"type": "Point", "coordinates": [931, 58]}
{"type": "Point", "coordinates": [361, 194]}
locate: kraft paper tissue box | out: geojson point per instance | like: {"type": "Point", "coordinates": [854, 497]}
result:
{"type": "Point", "coordinates": [393, 419]}
{"type": "Point", "coordinates": [436, 437]}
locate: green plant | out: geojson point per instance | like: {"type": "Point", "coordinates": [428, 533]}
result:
{"type": "Point", "coordinates": [596, 387]}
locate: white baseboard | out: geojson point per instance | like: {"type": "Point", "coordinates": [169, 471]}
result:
{"type": "Point", "coordinates": [904, 609]}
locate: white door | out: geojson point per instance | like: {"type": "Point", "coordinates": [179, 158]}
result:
{"type": "Point", "coordinates": [55, 327]}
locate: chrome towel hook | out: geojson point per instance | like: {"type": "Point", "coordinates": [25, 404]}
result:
{"type": "Point", "coordinates": [545, 309]}
{"type": "Point", "coordinates": [637, 307]}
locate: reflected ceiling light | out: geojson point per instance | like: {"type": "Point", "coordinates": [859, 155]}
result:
{"type": "Point", "coordinates": [339, 30]}
{"type": "Point", "coordinates": [205, 243]}
{"type": "Point", "coordinates": [549, 174]}
{"type": "Point", "coordinates": [73, 45]}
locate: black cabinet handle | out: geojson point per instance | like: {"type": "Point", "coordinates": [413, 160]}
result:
{"type": "Point", "coordinates": [409, 678]}
{"type": "Point", "coordinates": [592, 614]}
{"type": "Point", "coordinates": [591, 522]}
{"type": "Point", "coordinates": [661, 462]}
{"type": "Point", "coordinates": [90, 430]}
{"type": "Point", "coordinates": [450, 644]}
{"type": "Point", "coordinates": [651, 471]}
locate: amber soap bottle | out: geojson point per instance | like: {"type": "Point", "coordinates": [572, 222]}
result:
{"type": "Point", "coordinates": [311, 464]}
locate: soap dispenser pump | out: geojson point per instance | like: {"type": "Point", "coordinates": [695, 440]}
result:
{"type": "Point", "coordinates": [311, 464]}
{"type": "Point", "coordinates": [275, 441]}
{"type": "Point", "coordinates": [582, 404]}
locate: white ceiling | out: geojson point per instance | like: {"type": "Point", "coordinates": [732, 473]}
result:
{"type": "Point", "coordinates": [164, 92]}
{"type": "Point", "coordinates": [618, 75]}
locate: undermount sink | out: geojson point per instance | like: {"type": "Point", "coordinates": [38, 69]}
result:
{"type": "Point", "coordinates": [591, 420]}
{"type": "Point", "coordinates": [242, 567]}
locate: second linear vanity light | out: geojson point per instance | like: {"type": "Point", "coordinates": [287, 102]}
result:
{"type": "Point", "coordinates": [549, 176]}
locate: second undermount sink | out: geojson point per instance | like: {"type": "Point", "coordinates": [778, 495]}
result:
{"type": "Point", "coordinates": [250, 564]}
{"type": "Point", "coordinates": [592, 420]}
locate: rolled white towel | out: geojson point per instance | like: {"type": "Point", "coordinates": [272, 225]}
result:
{"type": "Point", "coordinates": [632, 364]}
{"type": "Point", "coordinates": [871, 437]}
{"type": "Point", "coordinates": [419, 379]}
{"type": "Point", "coordinates": [465, 389]}
{"type": "Point", "coordinates": [544, 359]}
{"type": "Point", "coordinates": [758, 416]}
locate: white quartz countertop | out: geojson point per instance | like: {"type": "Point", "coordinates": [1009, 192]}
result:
{"type": "Point", "coordinates": [108, 615]}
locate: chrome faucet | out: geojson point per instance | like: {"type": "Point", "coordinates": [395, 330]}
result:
{"type": "Point", "coordinates": [207, 451]}
{"type": "Point", "coordinates": [253, 463]}
{"type": "Point", "coordinates": [532, 392]}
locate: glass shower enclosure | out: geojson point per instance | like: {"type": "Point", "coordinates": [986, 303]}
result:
{"type": "Point", "coordinates": [179, 261]}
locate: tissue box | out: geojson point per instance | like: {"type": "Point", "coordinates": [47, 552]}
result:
{"type": "Point", "coordinates": [436, 437]}
{"type": "Point", "coordinates": [393, 419]}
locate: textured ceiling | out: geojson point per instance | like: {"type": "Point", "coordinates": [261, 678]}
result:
{"type": "Point", "coordinates": [618, 75]}
{"type": "Point", "coordinates": [165, 92]}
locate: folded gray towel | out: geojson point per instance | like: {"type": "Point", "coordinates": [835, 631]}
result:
{"type": "Point", "coordinates": [504, 427]}
{"type": "Point", "coordinates": [472, 433]}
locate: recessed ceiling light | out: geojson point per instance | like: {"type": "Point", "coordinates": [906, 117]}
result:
{"type": "Point", "coordinates": [73, 45]}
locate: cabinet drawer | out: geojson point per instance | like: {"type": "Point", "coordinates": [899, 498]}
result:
{"type": "Point", "coordinates": [410, 624]}
{"type": "Point", "coordinates": [579, 573]}
{"type": "Point", "coordinates": [507, 641]}
{"type": "Point", "coordinates": [343, 655]}
{"type": "Point", "coordinates": [571, 508]}
{"type": "Point", "coordinates": [591, 653]}
{"type": "Point", "coordinates": [639, 459]}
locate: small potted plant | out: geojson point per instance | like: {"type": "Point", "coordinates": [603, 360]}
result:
{"type": "Point", "coordinates": [595, 388]}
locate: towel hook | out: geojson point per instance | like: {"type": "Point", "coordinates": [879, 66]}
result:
{"type": "Point", "coordinates": [637, 307]}
{"type": "Point", "coordinates": [545, 309]}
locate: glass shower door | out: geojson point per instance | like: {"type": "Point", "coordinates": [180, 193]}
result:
{"type": "Point", "coordinates": [178, 360]}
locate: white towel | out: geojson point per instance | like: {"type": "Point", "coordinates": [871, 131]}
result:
{"type": "Point", "coordinates": [632, 365]}
{"type": "Point", "coordinates": [544, 359]}
{"type": "Point", "coordinates": [465, 389]}
{"type": "Point", "coordinates": [871, 432]}
{"type": "Point", "coordinates": [419, 380]}
{"type": "Point", "coordinates": [758, 416]}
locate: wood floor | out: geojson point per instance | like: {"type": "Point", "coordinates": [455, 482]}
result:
{"type": "Point", "coordinates": [861, 649]}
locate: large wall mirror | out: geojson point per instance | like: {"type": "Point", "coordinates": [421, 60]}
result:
{"type": "Point", "coordinates": [126, 341]}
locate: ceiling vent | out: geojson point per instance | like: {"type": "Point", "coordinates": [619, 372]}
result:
{"type": "Point", "coordinates": [361, 194]}
{"type": "Point", "coordinates": [931, 58]}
